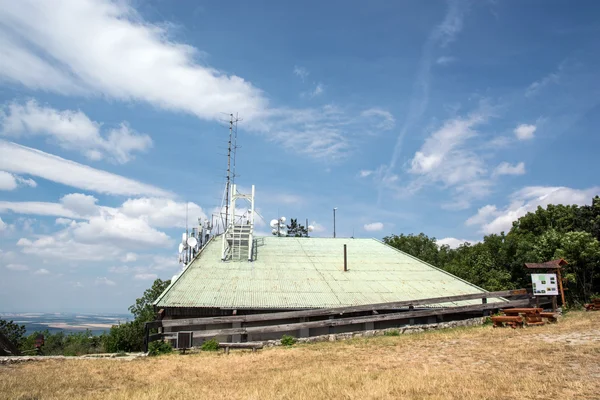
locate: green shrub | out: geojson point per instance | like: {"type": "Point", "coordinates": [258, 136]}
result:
{"type": "Point", "coordinates": [210, 345]}
{"type": "Point", "coordinates": [288, 340]}
{"type": "Point", "coordinates": [393, 332]}
{"type": "Point", "coordinates": [159, 347]}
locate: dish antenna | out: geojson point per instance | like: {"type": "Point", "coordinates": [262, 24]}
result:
{"type": "Point", "coordinates": [274, 231]}
{"type": "Point", "coordinates": [282, 219]}
{"type": "Point", "coordinates": [311, 228]}
{"type": "Point", "coordinates": [274, 223]}
{"type": "Point", "coordinates": [192, 242]}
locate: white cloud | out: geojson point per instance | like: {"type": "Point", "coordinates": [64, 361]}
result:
{"type": "Point", "coordinates": [444, 60]}
{"type": "Point", "coordinates": [145, 277]}
{"type": "Point", "coordinates": [318, 90]}
{"type": "Point", "coordinates": [105, 48]}
{"type": "Point", "coordinates": [42, 271]}
{"type": "Point", "coordinates": [301, 72]}
{"type": "Point", "coordinates": [104, 281]}
{"type": "Point", "coordinates": [505, 168]}
{"type": "Point", "coordinates": [525, 131]}
{"type": "Point", "coordinates": [9, 181]}
{"type": "Point", "coordinates": [119, 270]}
{"type": "Point", "coordinates": [72, 130]}
{"type": "Point", "coordinates": [20, 159]}
{"type": "Point", "coordinates": [373, 227]}
{"type": "Point", "coordinates": [2, 225]}
{"type": "Point", "coordinates": [385, 119]}
{"type": "Point", "coordinates": [551, 78]}
{"type": "Point", "coordinates": [63, 221]}
{"type": "Point", "coordinates": [129, 257]}
{"type": "Point", "coordinates": [109, 50]}
{"type": "Point", "coordinates": [453, 243]}
{"type": "Point", "coordinates": [79, 203]}
{"type": "Point", "coordinates": [163, 212]}
{"type": "Point", "coordinates": [37, 208]}
{"type": "Point", "coordinates": [365, 173]}
{"type": "Point", "coordinates": [17, 267]}
{"type": "Point", "coordinates": [446, 158]}
{"type": "Point", "coordinates": [494, 220]}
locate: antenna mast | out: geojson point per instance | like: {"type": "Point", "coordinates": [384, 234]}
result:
{"type": "Point", "coordinates": [229, 174]}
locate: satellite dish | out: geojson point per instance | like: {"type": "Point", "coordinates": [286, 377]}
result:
{"type": "Point", "coordinates": [180, 248]}
{"type": "Point", "coordinates": [311, 228]}
{"type": "Point", "coordinates": [274, 223]}
{"type": "Point", "coordinates": [274, 231]}
{"type": "Point", "coordinates": [282, 219]}
{"type": "Point", "coordinates": [174, 277]}
{"type": "Point", "coordinates": [192, 242]}
{"type": "Point", "coordinates": [184, 237]}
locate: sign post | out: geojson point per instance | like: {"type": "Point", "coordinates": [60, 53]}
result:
{"type": "Point", "coordinates": [545, 285]}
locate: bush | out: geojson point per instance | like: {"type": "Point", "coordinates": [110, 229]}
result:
{"type": "Point", "coordinates": [288, 340]}
{"type": "Point", "coordinates": [125, 337]}
{"type": "Point", "coordinates": [393, 332]}
{"type": "Point", "coordinates": [159, 347]}
{"type": "Point", "coordinates": [210, 345]}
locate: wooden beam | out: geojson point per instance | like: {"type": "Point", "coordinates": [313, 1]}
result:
{"type": "Point", "coordinates": [332, 311]}
{"type": "Point", "coordinates": [356, 320]}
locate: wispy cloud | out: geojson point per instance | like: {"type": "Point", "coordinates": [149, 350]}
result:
{"type": "Point", "coordinates": [440, 36]}
{"type": "Point", "coordinates": [72, 130]}
{"type": "Point", "coordinates": [24, 160]}
{"type": "Point", "coordinates": [373, 227]}
{"type": "Point", "coordinates": [550, 79]}
{"type": "Point", "coordinates": [505, 168]}
{"type": "Point", "coordinates": [10, 181]}
{"type": "Point", "coordinates": [444, 60]}
{"type": "Point", "coordinates": [301, 72]}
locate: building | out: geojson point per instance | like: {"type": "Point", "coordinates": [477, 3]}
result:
{"type": "Point", "coordinates": [299, 273]}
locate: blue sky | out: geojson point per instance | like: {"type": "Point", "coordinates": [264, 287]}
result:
{"type": "Point", "coordinates": [450, 118]}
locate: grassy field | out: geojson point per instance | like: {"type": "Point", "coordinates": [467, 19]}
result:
{"type": "Point", "coordinates": [560, 361]}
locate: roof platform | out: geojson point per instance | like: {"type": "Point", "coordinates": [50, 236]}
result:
{"type": "Point", "coordinates": [291, 273]}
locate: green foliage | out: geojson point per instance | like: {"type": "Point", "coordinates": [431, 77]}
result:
{"type": "Point", "coordinates": [13, 332]}
{"type": "Point", "coordinates": [288, 340]}
{"type": "Point", "coordinates": [393, 332]}
{"type": "Point", "coordinates": [210, 345]}
{"type": "Point", "coordinates": [497, 263]}
{"type": "Point", "coordinates": [143, 310]}
{"type": "Point", "coordinates": [67, 344]}
{"type": "Point", "coordinates": [159, 347]}
{"type": "Point", "coordinates": [294, 229]}
{"type": "Point", "coordinates": [128, 336]}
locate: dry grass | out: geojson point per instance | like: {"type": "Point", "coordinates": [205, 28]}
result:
{"type": "Point", "coordinates": [555, 361]}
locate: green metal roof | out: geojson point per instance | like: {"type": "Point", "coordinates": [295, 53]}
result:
{"type": "Point", "coordinates": [309, 273]}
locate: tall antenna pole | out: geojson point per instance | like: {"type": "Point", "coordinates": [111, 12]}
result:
{"type": "Point", "coordinates": [231, 145]}
{"type": "Point", "coordinates": [228, 171]}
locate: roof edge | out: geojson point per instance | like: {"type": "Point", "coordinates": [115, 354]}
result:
{"type": "Point", "coordinates": [159, 298]}
{"type": "Point", "coordinates": [432, 266]}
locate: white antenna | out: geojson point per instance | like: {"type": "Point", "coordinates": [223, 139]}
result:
{"type": "Point", "coordinates": [192, 242]}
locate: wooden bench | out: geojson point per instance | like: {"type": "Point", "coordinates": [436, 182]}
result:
{"type": "Point", "coordinates": [551, 317]}
{"type": "Point", "coordinates": [245, 345]}
{"type": "Point", "coordinates": [593, 306]}
{"type": "Point", "coordinates": [512, 321]}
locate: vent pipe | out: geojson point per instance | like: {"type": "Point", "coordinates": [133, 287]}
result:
{"type": "Point", "coordinates": [345, 260]}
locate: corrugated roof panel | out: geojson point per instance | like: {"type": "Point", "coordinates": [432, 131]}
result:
{"type": "Point", "coordinates": [308, 273]}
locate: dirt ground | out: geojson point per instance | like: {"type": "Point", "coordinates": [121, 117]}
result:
{"type": "Point", "coordinates": [558, 361]}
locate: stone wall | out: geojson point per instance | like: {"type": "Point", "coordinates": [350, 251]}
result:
{"type": "Point", "coordinates": [381, 332]}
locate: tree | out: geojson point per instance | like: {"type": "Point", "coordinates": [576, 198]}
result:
{"type": "Point", "coordinates": [13, 332]}
{"type": "Point", "coordinates": [421, 246]}
{"type": "Point", "coordinates": [294, 229]}
{"type": "Point", "coordinates": [143, 308]}
{"type": "Point", "coordinates": [130, 335]}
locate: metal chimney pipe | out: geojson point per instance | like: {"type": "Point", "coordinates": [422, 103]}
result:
{"type": "Point", "coordinates": [345, 260]}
